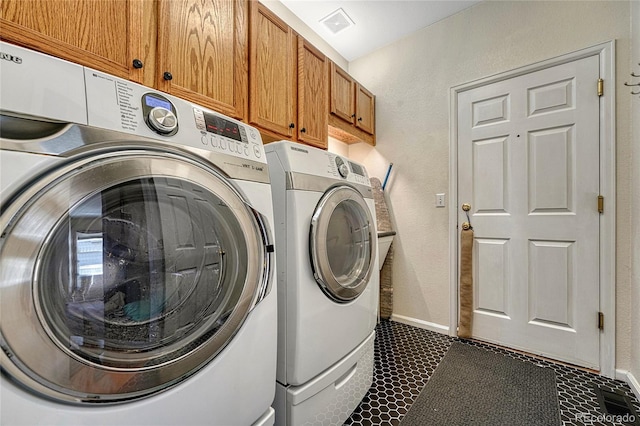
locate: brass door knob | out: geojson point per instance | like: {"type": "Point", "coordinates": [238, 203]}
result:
{"type": "Point", "coordinates": [466, 207]}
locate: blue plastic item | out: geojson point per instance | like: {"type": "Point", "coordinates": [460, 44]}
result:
{"type": "Point", "coordinates": [386, 178]}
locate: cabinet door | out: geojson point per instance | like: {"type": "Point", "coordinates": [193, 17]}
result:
{"type": "Point", "coordinates": [272, 76]}
{"type": "Point", "coordinates": [365, 110]}
{"type": "Point", "coordinates": [102, 34]}
{"type": "Point", "coordinates": [202, 52]}
{"type": "Point", "coordinates": [312, 95]}
{"type": "Point", "coordinates": [342, 90]}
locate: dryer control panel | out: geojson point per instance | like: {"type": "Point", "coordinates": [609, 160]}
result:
{"type": "Point", "coordinates": [298, 158]}
{"type": "Point", "coordinates": [343, 170]}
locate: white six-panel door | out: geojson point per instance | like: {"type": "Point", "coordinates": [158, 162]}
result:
{"type": "Point", "coordinates": [528, 164]}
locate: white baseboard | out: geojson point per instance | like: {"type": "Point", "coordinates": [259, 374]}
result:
{"type": "Point", "coordinates": [438, 328]}
{"type": "Point", "coordinates": [626, 376]}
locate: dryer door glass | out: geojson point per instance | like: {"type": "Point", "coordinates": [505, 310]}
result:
{"type": "Point", "coordinates": [144, 267]}
{"type": "Point", "coordinates": [342, 243]}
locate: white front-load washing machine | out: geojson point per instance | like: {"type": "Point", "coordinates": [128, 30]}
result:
{"type": "Point", "coordinates": [136, 255]}
{"type": "Point", "coordinates": [328, 283]}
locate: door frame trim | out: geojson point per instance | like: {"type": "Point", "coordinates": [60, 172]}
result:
{"type": "Point", "coordinates": [606, 53]}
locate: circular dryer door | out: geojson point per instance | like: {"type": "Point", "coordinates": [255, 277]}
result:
{"type": "Point", "coordinates": [342, 243]}
{"type": "Point", "coordinates": [124, 273]}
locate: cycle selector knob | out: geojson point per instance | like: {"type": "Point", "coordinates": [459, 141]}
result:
{"type": "Point", "coordinates": [162, 120]}
{"type": "Point", "coordinates": [342, 168]}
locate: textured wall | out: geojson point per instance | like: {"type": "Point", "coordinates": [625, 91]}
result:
{"type": "Point", "coordinates": [412, 78]}
{"type": "Point", "coordinates": [338, 147]}
{"type": "Point", "coordinates": [635, 216]}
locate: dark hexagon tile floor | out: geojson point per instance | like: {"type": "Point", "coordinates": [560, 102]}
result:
{"type": "Point", "coordinates": [406, 357]}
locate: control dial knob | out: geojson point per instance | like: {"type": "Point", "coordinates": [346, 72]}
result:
{"type": "Point", "coordinates": [162, 120]}
{"type": "Point", "coordinates": [342, 168]}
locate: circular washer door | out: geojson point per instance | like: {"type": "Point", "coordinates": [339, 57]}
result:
{"type": "Point", "coordinates": [124, 273]}
{"type": "Point", "coordinates": [342, 243]}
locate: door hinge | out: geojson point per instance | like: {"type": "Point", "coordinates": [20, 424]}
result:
{"type": "Point", "coordinates": [600, 321]}
{"type": "Point", "coordinates": [600, 87]}
{"type": "Point", "coordinates": [600, 204]}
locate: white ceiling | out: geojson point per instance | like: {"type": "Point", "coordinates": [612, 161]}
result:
{"type": "Point", "coordinates": [377, 22]}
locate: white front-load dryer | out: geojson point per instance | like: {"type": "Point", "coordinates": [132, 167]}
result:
{"type": "Point", "coordinates": [136, 255]}
{"type": "Point", "coordinates": [328, 283]}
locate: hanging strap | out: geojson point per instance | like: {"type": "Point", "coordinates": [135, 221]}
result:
{"type": "Point", "coordinates": [466, 283]}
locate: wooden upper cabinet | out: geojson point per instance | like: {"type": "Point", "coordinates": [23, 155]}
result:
{"type": "Point", "coordinates": [342, 90]}
{"type": "Point", "coordinates": [203, 53]}
{"type": "Point", "coordinates": [233, 56]}
{"type": "Point", "coordinates": [364, 111]}
{"type": "Point", "coordinates": [312, 95]}
{"type": "Point", "coordinates": [102, 34]}
{"type": "Point", "coordinates": [272, 74]}
{"type": "Point", "coordinates": [352, 109]}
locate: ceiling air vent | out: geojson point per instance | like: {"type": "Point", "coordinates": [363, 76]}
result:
{"type": "Point", "coordinates": [337, 21]}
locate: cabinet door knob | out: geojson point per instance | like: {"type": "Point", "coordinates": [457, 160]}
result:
{"type": "Point", "coordinates": [303, 130]}
{"type": "Point", "coordinates": [360, 119]}
{"type": "Point", "coordinates": [167, 76]}
{"type": "Point", "coordinates": [353, 115]}
{"type": "Point", "coordinates": [291, 126]}
{"type": "Point", "coordinates": [137, 63]}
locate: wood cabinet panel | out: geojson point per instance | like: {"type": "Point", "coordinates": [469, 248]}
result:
{"type": "Point", "coordinates": [199, 50]}
{"type": "Point", "coordinates": [203, 46]}
{"type": "Point", "coordinates": [364, 115]}
{"type": "Point", "coordinates": [312, 95]}
{"type": "Point", "coordinates": [342, 89]}
{"type": "Point", "coordinates": [102, 34]}
{"type": "Point", "coordinates": [272, 74]}
{"type": "Point", "coordinates": [352, 109]}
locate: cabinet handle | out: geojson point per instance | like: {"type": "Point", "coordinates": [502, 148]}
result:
{"type": "Point", "coordinates": [303, 130]}
{"type": "Point", "coordinates": [167, 76]}
{"type": "Point", "coordinates": [360, 119]}
{"type": "Point", "coordinates": [353, 115]}
{"type": "Point", "coordinates": [291, 126]}
{"type": "Point", "coordinates": [137, 64]}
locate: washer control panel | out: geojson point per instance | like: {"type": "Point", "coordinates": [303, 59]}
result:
{"type": "Point", "coordinates": [228, 135]}
{"type": "Point", "coordinates": [125, 106]}
{"type": "Point", "coordinates": [159, 114]}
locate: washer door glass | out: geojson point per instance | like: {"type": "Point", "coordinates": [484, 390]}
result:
{"type": "Point", "coordinates": [342, 243]}
{"type": "Point", "coordinates": [140, 276]}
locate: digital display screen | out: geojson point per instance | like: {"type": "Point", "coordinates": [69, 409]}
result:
{"type": "Point", "coordinates": [154, 102]}
{"type": "Point", "coordinates": [357, 169]}
{"type": "Point", "coordinates": [222, 127]}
